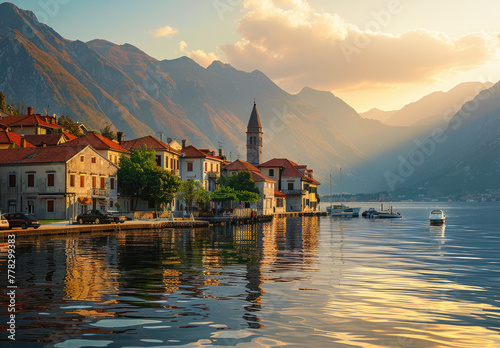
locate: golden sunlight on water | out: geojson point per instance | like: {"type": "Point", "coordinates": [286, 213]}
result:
{"type": "Point", "coordinates": [299, 281]}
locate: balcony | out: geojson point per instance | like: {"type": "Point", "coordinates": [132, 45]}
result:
{"type": "Point", "coordinates": [294, 192]}
{"type": "Point", "coordinates": [174, 172]}
{"type": "Point", "coordinates": [100, 192]}
{"type": "Point", "coordinates": [213, 174]}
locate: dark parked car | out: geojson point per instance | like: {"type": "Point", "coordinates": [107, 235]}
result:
{"type": "Point", "coordinates": [117, 217]}
{"type": "Point", "coordinates": [95, 215]}
{"type": "Point", "coordinates": [23, 220]}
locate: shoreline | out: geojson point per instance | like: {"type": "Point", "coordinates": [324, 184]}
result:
{"type": "Point", "coordinates": [65, 228]}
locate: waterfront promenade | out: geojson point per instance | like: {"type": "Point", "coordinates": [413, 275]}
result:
{"type": "Point", "coordinates": [65, 227]}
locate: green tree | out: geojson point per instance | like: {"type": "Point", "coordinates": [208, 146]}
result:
{"type": "Point", "coordinates": [203, 198]}
{"type": "Point", "coordinates": [250, 197]}
{"type": "Point", "coordinates": [193, 191]}
{"type": "Point", "coordinates": [71, 126]}
{"type": "Point", "coordinates": [134, 169]}
{"type": "Point", "coordinates": [225, 194]}
{"type": "Point", "coordinates": [160, 186]}
{"type": "Point", "coordinates": [3, 106]}
{"type": "Point", "coordinates": [240, 182]}
{"type": "Point", "coordinates": [107, 132]}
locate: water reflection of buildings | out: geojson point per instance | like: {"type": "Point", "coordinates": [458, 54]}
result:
{"type": "Point", "coordinates": [91, 269]}
{"type": "Point", "coordinates": [226, 264]}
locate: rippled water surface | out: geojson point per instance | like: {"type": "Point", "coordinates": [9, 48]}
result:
{"type": "Point", "coordinates": [303, 282]}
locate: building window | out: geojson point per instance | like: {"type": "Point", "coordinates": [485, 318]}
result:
{"type": "Point", "coordinates": [172, 163]}
{"type": "Point", "coordinates": [211, 167]}
{"type": "Point", "coordinates": [82, 181]}
{"type": "Point", "coordinates": [158, 160]}
{"type": "Point", "coordinates": [94, 160]}
{"type": "Point", "coordinates": [112, 183]}
{"type": "Point", "coordinates": [31, 180]}
{"type": "Point", "coordinates": [12, 180]}
{"type": "Point", "coordinates": [206, 166]}
{"type": "Point", "coordinates": [50, 206]}
{"type": "Point", "coordinates": [271, 172]}
{"type": "Point", "coordinates": [110, 203]}
{"type": "Point", "coordinates": [72, 180]}
{"type": "Point", "coordinates": [82, 158]}
{"type": "Point", "coordinates": [102, 182]}
{"type": "Point", "coordinates": [50, 179]}
{"type": "Point", "coordinates": [217, 167]}
{"type": "Point", "coordinates": [190, 166]}
{"type": "Point", "coordinates": [94, 182]}
{"type": "Point", "coordinates": [12, 206]}
{"type": "Point", "coordinates": [290, 186]}
{"type": "Point", "coordinates": [279, 202]}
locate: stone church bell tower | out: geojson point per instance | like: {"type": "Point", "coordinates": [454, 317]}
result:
{"type": "Point", "coordinates": [254, 138]}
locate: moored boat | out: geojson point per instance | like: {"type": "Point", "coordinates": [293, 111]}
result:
{"type": "Point", "coordinates": [369, 212]}
{"type": "Point", "coordinates": [437, 217]}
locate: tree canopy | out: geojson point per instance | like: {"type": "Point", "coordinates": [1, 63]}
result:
{"type": "Point", "coordinates": [240, 182]}
{"type": "Point", "coordinates": [193, 191]}
{"type": "Point", "coordinates": [71, 126]}
{"type": "Point", "coordinates": [107, 132]}
{"type": "Point", "coordinates": [139, 175]}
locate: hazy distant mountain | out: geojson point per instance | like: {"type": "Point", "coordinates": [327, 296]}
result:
{"type": "Point", "coordinates": [377, 114]}
{"type": "Point", "coordinates": [99, 82]}
{"type": "Point", "coordinates": [463, 159]}
{"type": "Point", "coordinates": [436, 109]}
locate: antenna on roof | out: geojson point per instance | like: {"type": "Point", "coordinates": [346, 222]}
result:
{"type": "Point", "coordinates": [161, 135]}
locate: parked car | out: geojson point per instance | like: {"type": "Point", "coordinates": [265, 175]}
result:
{"type": "Point", "coordinates": [4, 223]}
{"type": "Point", "coordinates": [97, 216]}
{"type": "Point", "coordinates": [23, 220]}
{"type": "Point", "coordinates": [117, 217]}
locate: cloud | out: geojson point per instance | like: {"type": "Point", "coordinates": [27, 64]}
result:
{"type": "Point", "coordinates": [199, 56]}
{"type": "Point", "coordinates": [296, 46]}
{"type": "Point", "coordinates": [166, 31]}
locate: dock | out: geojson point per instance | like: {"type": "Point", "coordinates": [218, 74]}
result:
{"type": "Point", "coordinates": [67, 229]}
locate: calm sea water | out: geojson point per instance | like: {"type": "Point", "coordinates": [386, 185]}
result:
{"type": "Point", "coordinates": [302, 282]}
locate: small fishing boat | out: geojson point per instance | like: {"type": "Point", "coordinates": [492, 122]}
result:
{"type": "Point", "coordinates": [387, 214]}
{"type": "Point", "coordinates": [368, 213]}
{"type": "Point", "coordinates": [341, 210]}
{"type": "Point", "coordinates": [437, 217]}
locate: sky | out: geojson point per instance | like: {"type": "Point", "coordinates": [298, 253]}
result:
{"type": "Point", "coordinates": [370, 53]}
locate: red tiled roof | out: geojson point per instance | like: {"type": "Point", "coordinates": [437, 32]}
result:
{"type": "Point", "coordinates": [69, 136]}
{"type": "Point", "coordinates": [51, 154]}
{"type": "Point", "coordinates": [97, 141]}
{"type": "Point", "coordinates": [257, 177]}
{"type": "Point", "coordinates": [278, 193]}
{"type": "Point", "coordinates": [150, 142]}
{"type": "Point", "coordinates": [3, 126]}
{"type": "Point", "coordinates": [241, 165]}
{"type": "Point", "coordinates": [290, 168]}
{"type": "Point", "coordinates": [48, 139]}
{"type": "Point", "coordinates": [193, 152]}
{"type": "Point", "coordinates": [12, 138]}
{"type": "Point", "coordinates": [27, 120]}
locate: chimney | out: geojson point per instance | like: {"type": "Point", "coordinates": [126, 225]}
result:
{"type": "Point", "coordinates": [30, 110]}
{"type": "Point", "coordinates": [119, 137]}
{"type": "Point", "coordinates": [183, 142]}
{"type": "Point", "coordinates": [23, 141]}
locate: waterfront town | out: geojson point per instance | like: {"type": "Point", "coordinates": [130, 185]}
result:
{"type": "Point", "coordinates": [49, 172]}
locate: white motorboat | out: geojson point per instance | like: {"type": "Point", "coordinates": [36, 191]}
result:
{"type": "Point", "coordinates": [437, 217]}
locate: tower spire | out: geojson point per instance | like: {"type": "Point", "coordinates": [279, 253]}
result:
{"type": "Point", "coordinates": [254, 137]}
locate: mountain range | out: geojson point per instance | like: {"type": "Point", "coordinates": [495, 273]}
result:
{"type": "Point", "coordinates": [100, 82]}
